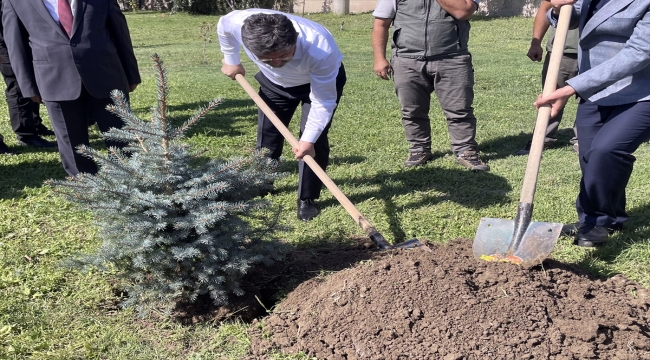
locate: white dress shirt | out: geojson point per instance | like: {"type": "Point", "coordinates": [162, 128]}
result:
{"type": "Point", "coordinates": [53, 7]}
{"type": "Point", "coordinates": [316, 61]}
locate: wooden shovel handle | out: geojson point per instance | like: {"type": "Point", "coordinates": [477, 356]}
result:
{"type": "Point", "coordinates": [544, 112]}
{"type": "Point", "coordinates": [347, 204]}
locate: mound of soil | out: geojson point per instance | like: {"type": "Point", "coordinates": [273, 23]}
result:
{"type": "Point", "coordinates": [447, 305]}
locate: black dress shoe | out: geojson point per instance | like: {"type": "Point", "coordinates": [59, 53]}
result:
{"type": "Point", "coordinates": [572, 229]}
{"type": "Point", "coordinates": [37, 142]}
{"type": "Point", "coordinates": [591, 235]}
{"type": "Point", "coordinates": [43, 131]}
{"type": "Point", "coordinates": [307, 209]}
{"type": "Point", "coordinates": [5, 150]}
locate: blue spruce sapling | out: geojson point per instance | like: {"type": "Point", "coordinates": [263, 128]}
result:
{"type": "Point", "coordinates": [173, 230]}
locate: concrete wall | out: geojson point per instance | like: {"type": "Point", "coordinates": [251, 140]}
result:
{"type": "Point", "coordinates": [486, 7]}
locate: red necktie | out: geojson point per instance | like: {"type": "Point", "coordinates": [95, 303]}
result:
{"type": "Point", "coordinates": [65, 16]}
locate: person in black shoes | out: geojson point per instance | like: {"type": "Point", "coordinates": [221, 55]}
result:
{"type": "Point", "coordinates": [70, 55]}
{"type": "Point", "coordinates": [23, 112]}
{"type": "Point", "coordinates": [613, 117]}
{"type": "Point", "coordinates": [573, 228]}
{"type": "Point", "coordinates": [568, 69]}
{"type": "Point", "coordinates": [300, 64]}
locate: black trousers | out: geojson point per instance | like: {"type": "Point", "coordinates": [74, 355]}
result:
{"type": "Point", "coordinates": [23, 112]}
{"type": "Point", "coordinates": [284, 102]}
{"type": "Point", "coordinates": [70, 121]}
{"type": "Point", "coordinates": [608, 137]}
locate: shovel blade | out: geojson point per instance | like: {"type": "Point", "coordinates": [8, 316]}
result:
{"type": "Point", "coordinates": [495, 241]}
{"type": "Point", "coordinates": [412, 244]}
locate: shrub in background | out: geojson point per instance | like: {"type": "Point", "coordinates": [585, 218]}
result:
{"type": "Point", "coordinates": [225, 6]}
{"type": "Point", "coordinates": [172, 229]}
{"type": "Point", "coordinates": [208, 6]}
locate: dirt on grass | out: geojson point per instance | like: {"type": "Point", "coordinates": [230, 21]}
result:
{"type": "Point", "coordinates": [358, 303]}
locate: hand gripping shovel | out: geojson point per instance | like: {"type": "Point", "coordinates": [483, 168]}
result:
{"type": "Point", "coordinates": [522, 241]}
{"type": "Point", "coordinates": [374, 235]}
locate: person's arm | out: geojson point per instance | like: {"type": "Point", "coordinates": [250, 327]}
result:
{"type": "Point", "coordinates": [459, 9]}
{"type": "Point", "coordinates": [380, 29]}
{"type": "Point", "coordinates": [634, 57]}
{"type": "Point", "coordinates": [556, 100]}
{"type": "Point", "coordinates": [540, 26]}
{"type": "Point", "coordinates": [119, 31]}
{"type": "Point", "coordinates": [557, 4]}
{"type": "Point", "coordinates": [323, 101]}
{"type": "Point", "coordinates": [229, 47]}
{"type": "Point", "coordinates": [554, 13]}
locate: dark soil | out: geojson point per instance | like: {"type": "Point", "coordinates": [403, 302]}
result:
{"type": "Point", "coordinates": [356, 303]}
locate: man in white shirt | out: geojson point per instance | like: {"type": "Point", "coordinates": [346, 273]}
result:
{"type": "Point", "coordinates": [299, 63]}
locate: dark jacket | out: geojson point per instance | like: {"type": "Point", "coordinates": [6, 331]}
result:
{"type": "Point", "coordinates": [49, 64]}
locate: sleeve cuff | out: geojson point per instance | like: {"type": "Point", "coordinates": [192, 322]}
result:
{"type": "Point", "coordinates": [552, 18]}
{"type": "Point", "coordinates": [581, 86]}
{"type": "Point", "coordinates": [232, 59]}
{"type": "Point", "coordinates": [310, 135]}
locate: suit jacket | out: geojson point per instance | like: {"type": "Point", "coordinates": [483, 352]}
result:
{"type": "Point", "coordinates": [614, 52]}
{"type": "Point", "coordinates": [2, 40]}
{"type": "Point", "coordinates": [49, 64]}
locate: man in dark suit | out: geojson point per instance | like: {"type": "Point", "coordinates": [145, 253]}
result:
{"type": "Point", "coordinates": [23, 112]}
{"type": "Point", "coordinates": [70, 54]}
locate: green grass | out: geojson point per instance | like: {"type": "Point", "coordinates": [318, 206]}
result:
{"type": "Point", "coordinates": [47, 312]}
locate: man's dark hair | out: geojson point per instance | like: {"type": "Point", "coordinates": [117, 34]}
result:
{"type": "Point", "coordinates": [267, 33]}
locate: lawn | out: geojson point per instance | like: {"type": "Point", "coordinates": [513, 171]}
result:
{"type": "Point", "coordinates": [47, 312]}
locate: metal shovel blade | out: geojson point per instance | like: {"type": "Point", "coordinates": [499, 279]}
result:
{"type": "Point", "coordinates": [412, 244]}
{"type": "Point", "coordinates": [383, 244]}
{"type": "Point", "coordinates": [496, 241]}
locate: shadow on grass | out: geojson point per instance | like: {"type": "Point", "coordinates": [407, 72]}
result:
{"type": "Point", "coordinates": [32, 150]}
{"type": "Point", "coordinates": [431, 186]}
{"type": "Point", "coordinates": [506, 146]}
{"type": "Point", "coordinates": [347, 160]}
{"type": "Point", "coordinates": [27, 174]}
{"type": "Point", "coordinates": [423, 186]}
{"type": "Point", "coordinates": [222, 119]}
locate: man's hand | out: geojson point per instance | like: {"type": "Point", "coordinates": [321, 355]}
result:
{"type": "Point", "coordinates": [37, 99]}
{"type": "Point", "coordinates": [459, 9]}
{"type": "Point", "coordinates": [540, 27]}
{"type": "Point", "coordinates": [535, 51]}
{"type": "Point", "coordinates": [557, 4]}
{"type": "Point", "coordinates": [557, 99]}
{"type": "Point", "coordinates": [232, 70]}
{"type": "Point", "coordinates": [132, 87]}
{"type": "Point", "coordinates": [379, 39]}
{"type": "Point", "coordinates": [383, 69]}
{"type": "Point", "coordinates": [304, 148]}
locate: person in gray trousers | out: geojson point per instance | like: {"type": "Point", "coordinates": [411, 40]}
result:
{"type": "Point", "coordinates": [441, 64]}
